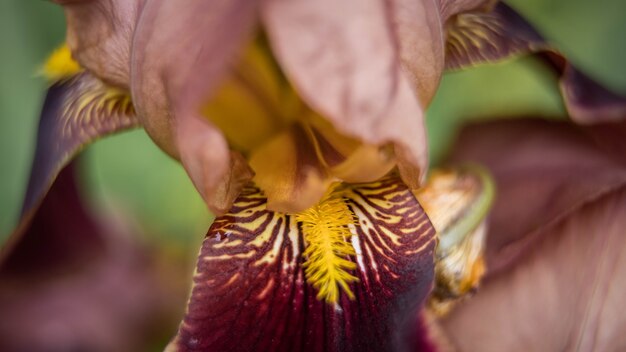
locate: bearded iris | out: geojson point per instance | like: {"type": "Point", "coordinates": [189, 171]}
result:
{"type": "Point", "coordinates": [290, 126]}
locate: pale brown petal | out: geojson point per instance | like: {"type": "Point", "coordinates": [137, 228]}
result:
{"type": "Point", "coordinates": [556, 245]}
{"type": "Point", "coordinates": [566, 295]}
{"type": "Point", "coordinates": [361, 64]}
{"type": "Point", "coordinates": [180, 53]}
{"type": "Point", "coordinates": [216, 173]}
{"type": "Point", "coordinates": [450, 8]}
{"type": "Point", "coordinates": [100, 33]}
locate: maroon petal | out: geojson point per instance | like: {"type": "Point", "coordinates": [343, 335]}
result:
{"type": "Point", "coordinates": [76, 112]}
{"type": "Point", "coordinates": [479, 37]}
{"type": "Point", "coordinates": [369, 67]}
{"type": "Point", "coordinates": [610, 137]}
{"type": "Point", "coordinates": [543, 171]}
{"type": "Point", "coordinates": [72, 284]}
{"type": "Point", "coordinates": [251, 292]}
{"type": "Point", "coordinates": [67, 241]}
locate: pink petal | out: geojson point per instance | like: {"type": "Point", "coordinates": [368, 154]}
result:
{"type": "Point", "coordinates": [566, 294]}
{"type": "Point", "coordinates": [180, 53]}
{"type": "Point", "coordinates": [556, 245]}
{"type": "Point", "coordinates": [100, 34]}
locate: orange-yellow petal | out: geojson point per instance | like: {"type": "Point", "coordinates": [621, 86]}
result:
{"type": "Point", "coordinates": [289, 172]}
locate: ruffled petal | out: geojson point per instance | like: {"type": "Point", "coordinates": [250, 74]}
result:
{"type": "Point", "coordinates": [369, 67]}
{"type": "Point", "coordinates": [253, 292]}
{"type": "Point", "coordinates": [217, 173]}
{"type": "Point", "coordinates": [180, 54]}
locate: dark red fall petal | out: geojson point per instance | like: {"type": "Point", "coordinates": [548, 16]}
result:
{"type": "Point", "coordinates": [72, 284]}
{"type": "Point", "coordinates": [480, 37]}
{"type": "Point", "coordinates": [52, 241]}
{"type": "Point", "coordinates": [587, 101]}
{"type": "Point", "coordinates": [544, 170]}
{"type": "Point", "coordinates": [76, 112]}
{"type": "Point", "coordinates": [251, 292]}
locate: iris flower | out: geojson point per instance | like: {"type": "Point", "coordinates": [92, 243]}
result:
{"type": "Point", "coordinates": [301, 125]}
{"type": "Point", "coordinates": [292, 94]}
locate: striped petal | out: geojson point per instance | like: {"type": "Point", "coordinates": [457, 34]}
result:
{"type": "Point", "coordinates": [479, 37]}
{"type": "Point", "coordinates": [78, 110]}
{"type": "Point", "coordinates": [349, 274]}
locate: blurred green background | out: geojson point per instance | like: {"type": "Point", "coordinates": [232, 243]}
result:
{"type": "Point", "coordinates": [128, 172]}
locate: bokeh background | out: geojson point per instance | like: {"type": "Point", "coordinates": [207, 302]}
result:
{"type": "Point", "coordinates": [129, 173]}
